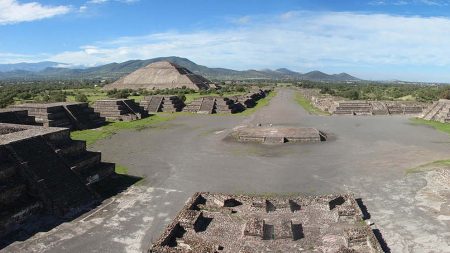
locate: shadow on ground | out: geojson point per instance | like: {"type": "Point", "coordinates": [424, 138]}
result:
{"type": "Point", "coordinates": [46, 222]}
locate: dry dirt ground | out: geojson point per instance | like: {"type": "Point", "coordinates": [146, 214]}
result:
{"type": "Point", "coordinates": [368, 156]}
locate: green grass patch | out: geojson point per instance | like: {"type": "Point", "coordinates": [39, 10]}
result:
{"type": "Point", "coordinates": [439, 164]}
{"type": "Point", "coordinates": [443, 127]}
{"type": "Point", "coordinates": [120, 169]}
{"type": "Point", "coordinates": [261, 103]}
{"type": "Point", "coordinates": [307, 105]}
{"type": "Point", "coordinates": [93, 135]}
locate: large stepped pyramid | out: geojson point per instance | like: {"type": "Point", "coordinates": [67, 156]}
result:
{"type": "Point", "coordinates": [161, 75]}
{"type": "Point", "coordinates": [162, 104]}
{"type": "Point", "coordinates": [73, 115]}
{"type": "Point", "coordinates": [438, 111]}
{"type": "Point", "coordinates": [119, 109]}
{"type": "Point", "coordinates": [43, 170]}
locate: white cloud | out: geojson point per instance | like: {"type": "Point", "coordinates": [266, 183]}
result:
{"type": "Point", "coordinates": [11, 11]}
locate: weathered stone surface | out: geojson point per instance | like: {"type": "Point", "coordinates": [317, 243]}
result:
{"type": "Point", "coordinates": [73, 115]}
{"type": "Point", "coordinates": [438, 111]}
{"type": "Point", "coordinates": [119, 109]}
{"type": "Point", "coordinates": [250, 229]}
{"type": "Point", "coordinates": [278, 134]}
{"type": "Point", "coordinates": [45, 171]}
{"type": "Point", "coordinates": [161, 75]}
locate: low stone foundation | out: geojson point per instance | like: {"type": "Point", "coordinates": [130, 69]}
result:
{"type": "Point", "coordinates": [294, 223]}
{"type": "Point", "coordinates": [278, 134]}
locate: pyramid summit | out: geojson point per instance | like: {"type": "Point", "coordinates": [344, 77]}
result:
{"type": "Point", "coordinates": [161, 75]}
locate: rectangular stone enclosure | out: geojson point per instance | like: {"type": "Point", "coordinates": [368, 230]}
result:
{"type": "Point", "coordinates": [215, 222]}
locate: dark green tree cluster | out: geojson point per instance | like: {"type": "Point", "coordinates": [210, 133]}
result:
{"type": "Point", "coordinates": [380, 91]}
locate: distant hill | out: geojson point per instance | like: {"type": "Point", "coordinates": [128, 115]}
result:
{"type": "Point", "coordinates": [49, 70]}
{"type": "Point", "coordinates": [33, 67]}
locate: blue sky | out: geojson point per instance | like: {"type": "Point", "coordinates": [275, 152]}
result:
{"type": "Point", "coordinates": [374, 39]}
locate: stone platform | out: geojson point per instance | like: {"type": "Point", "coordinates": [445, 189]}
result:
{"type": "Point", "coordinates": [43, 170]}
{"type": "Point", "coordinates": [73, 115]}
{"type": "Point", "coordinates": [120, 109]}
{"type": "Point", "coordinates": [214, 222]}
{"type": "Point", "coordinates": [279, 134]}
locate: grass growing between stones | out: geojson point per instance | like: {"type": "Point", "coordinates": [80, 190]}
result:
{"type": "Point", "coordinates": [443, 127]}
{"type": "Point", "coordinates": [439, 164]}
{"type": "Point", "coordinates": [93, 135]}
{"type": "Point", "coordinates": [307, 105]}
{"type": "Point", "coordinates": [261, 103]}
{"type": "Point", "coordinates": [120, 169]}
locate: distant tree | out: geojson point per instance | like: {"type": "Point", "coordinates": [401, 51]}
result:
{"type": "Point", "coordinates": [80, 97]}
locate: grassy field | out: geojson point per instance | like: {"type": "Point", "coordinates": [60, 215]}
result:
{"type": "Point", "coordinates": [93, 135]}
{"type": "Point", "coordinates": [306, 104]}
{"type": "Point", "coordinates": [444, 127]}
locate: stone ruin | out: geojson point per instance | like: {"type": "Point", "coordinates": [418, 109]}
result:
{"type": "Point", "coordinates": [154, 104]}
{"type": "Point", "coordinates": [42, 170]}
{"type": "Point", "coordinates": [16, 116]}
{"type": "Point", "coordinates": [278, 134]}
{"type": "Point", "coordinates": [438, 111]}
{"type": "Point", "coordinates": [337, 106]}
{"type": "Point", "coordinates": [214, 222]}
{"type": "Point", "coordinates": [358, 107]}
{"type": "Point", "coordinates": [119, 109]}
{"type": "Point", "coordinates": [73, 115]}
{"type": "Point", "coordinates": [233, 104]}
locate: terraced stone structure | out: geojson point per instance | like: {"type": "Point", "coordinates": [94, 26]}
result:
{"type": "Point", "coordinates": [119, 109]}
{"type": "Point", "coordinates": [155, 104]}
{"type": "Point", "coordinates": [16, 116]}
{"type": "Point", "coordinates": [233, 104]}
{"type": "Point", "coordinates": [438, 111]}
{"type": "Point", "coordinates": [43, 170]}
{"type": "Point", "coordinates": [73, 115]}
{"type": "Point", "coordinates": [279, 134]}
{"type": "Point", "coordinates": [214, 222]}
{"type": "Point", "coordinates": [161, 75]}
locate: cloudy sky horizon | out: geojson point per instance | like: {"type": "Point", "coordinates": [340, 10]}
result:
{"type": "Point", "coordinates": [375, 40]}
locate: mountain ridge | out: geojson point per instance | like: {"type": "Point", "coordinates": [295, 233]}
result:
{"type": "Point", "coordinates": [116, 70]}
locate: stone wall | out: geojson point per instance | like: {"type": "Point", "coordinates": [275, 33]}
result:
{"type": "Point", "coordinates": [42, 169]}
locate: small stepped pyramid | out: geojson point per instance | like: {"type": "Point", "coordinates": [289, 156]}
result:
{"type": "Point", "coordinates": [65, 114]}
{"type": "Point", "coordinates": [16, 204]}
{"type": "Point", "coordinates": [43, 169]}
{"type": "Point", "coordinates": [162, 104]}
{"type": "Point", "coordinates": [379, 108]}
{"type": "Point", "coordinates": [353, 108]}
{"type": "Point", "coordinates": [16, 116]}
{"type": "Point", "coordinates": [194, 106]}
{"type": "Point", "coordinates": [119, 109]}
{"type": "Point", "coordinates": [438, 111]}
{"type": "Point", "coordinates": [227, 105]}
{"type": "Point", "coordinates": [208, 106]}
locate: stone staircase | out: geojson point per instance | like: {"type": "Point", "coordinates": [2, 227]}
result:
{"type": "Point", "coordinates": [120, 109]}
{"type": "Point", "coordinates": [16, 205]}
{"type": "Point", "coordinates": [438, 111]}
{"type": "Point", "coordinates": [162, 104]}
{"type": "Point", "coordinates": [208, 106]}
{"type": "Point", "coordinates": [353, 108]}
{"type": "Point", "coordinates": [55, 183]}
